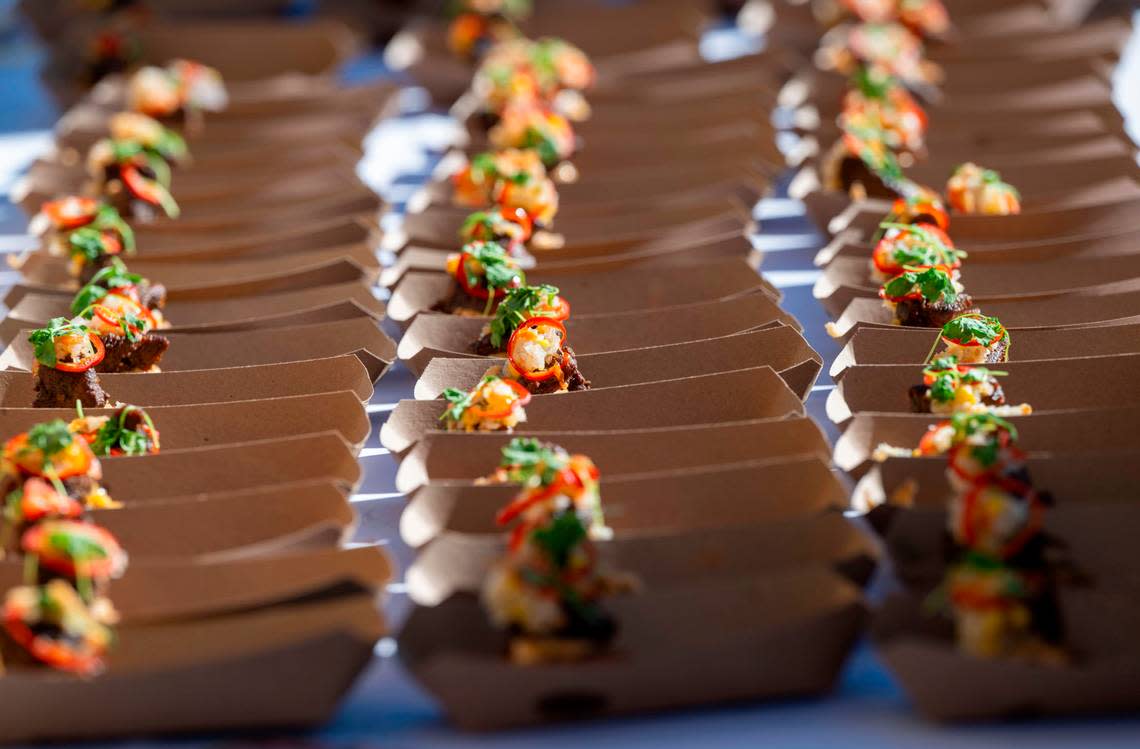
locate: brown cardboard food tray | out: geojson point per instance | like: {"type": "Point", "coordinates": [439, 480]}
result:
{"type": "Point", "coordinates": [275, 667]}
{"type": "Point", "coordinates": [650, 224]}
{"type": "Point", "coordinates": [338, 270]}
{"type": "Point", "coordinates": [234, 524]}
{"type": "Point", "coordinates": [781, 348]}
{"type": "Point", "coordinates": [227, 423]}
{"type": "Point", "coordinates": [1099, 477]}
{"type": "Point", "coordinates": [602, 292]}
{"type": "Point", "coordinates": [651, 503]}
{"type": "Point", "coordinates": [214, 385]}
{"type": "Point", "coordinates": [156, 590]}
{"type": "Point", "coordinates": [915, 345]}
{"type": "Point", "coordinates": [169, 239]}
{"type": "Point", "coordinates": [457, 562]}
{"type": "Point", "coordinates": [321, 303]}
{"type": "Point", "coordinates": [853, 244]}
{"type": "Point", "coordinates": [454, 457]}
{"type": "Point", "coordinates": [435, 335]}
{"type": "Point", "coordinates": [241, 50]}
{"type": "Point", "coordinates": [1065, 311]}
{"type": "Point", "coordinates": [47, 271]}
{"type": "Point", "coordinates": [697, 244]}
{"type": "Point", "coordinates": [848, 278]}
{"type": "Point", "coordinates": [1091, 383]}
{"type": "Point", "coordinates": [795, 642]}
{"type": "Point", "coordinates": [361, 338]}
{"type": "Point", "coordinates": [739, 395]}
{"type": "Point", "coordinates": [1053, 433]}
{"type": "Point", "coordinates": [246, 465]}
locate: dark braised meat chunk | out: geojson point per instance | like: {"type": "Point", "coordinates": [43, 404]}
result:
{"type": "Point", "coordinates": [56, 389]}
{"type": "Point", "coordinates": [571, 375]}
{"type": "Point", "coordinates": [132, 356]}
{"type": "Point", "coordinates": [919, 313]}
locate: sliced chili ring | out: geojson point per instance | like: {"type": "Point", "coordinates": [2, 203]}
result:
{"type": "Point", "coordinates": [93, 361]}
{"type": "Point", "coordinates": [532, 497]}
{"type": "Point", "coordinates": [42, 539]}
{"type": "Point", "coordinates": [478, 292]}
{"type": "Point", "coordinates": [71, 212]}
{"type": "Point", "coordinates": [533, 322]}
{"type": "Point", "coordinates": [73, 460]}
{"type": "Point", "coordinates": [41, 500]}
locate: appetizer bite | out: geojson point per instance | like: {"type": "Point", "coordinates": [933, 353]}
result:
{"type": "Point", "coordinates": [547, 592]}
{"type": "Point", "coordinates": [528, 461]}
{"type": "Point", "coordinates": [128, 431]}
{"type": "Point", "coordinates": [53, 625]}
{"type": "Point", "coordinates": [926, 18]}
{"type": "Point", "coordinates": [974, 338]}
{"type": "Point", "coordinates": [124, 325]}
{"type": "Point", "coordinates": [919, 205]}
{"type": "Point", "coordinates": [861, 163]}
{"type": "Point", "coordinates": [530, 125]}
{"type": "Point", "coordinates": [559, 484]}
{"type": "Point", "coordinates": [90, 233]}
{"type": "Point", "coordinates": [875, 96]}
{"type": "Point", "coordinates": [476, 25]}
{"type": "Point", "coordinates": [518, 305]}
{"type": "Point", "coordinates": [950, 387]}
{"type": "Point", "coordinates": [484, 272]}
{"type": "Point", "coordinates": [67, 353]}
{"type": "Point", "coordinates": [972, 189]}
{"type": "Point", "coordinates": [113, 284]}
{"type": "Point", "coordinates": [906, 247]}
{"type": "Point", "coordinates": [509, 227]}
{"type": "Point", "coordinates": [54, 454]}
{"type": "Point", "coordinates": [548, 72]}
{"type": "Point", "coordinates": [891, 47]}
{"type": "Point", "coordinates": [981, 430]}
{"type": "Point", "coordinates": [480, 182]}
{"type": "Point", "coordinates": [177, 94]}
{"type": "Point", "coordinates": [495, 404]}
{"type": "Point", "coordinates": [131, 168]}
{"type": "Point", "coordinates": [927, 298]}
{"type": "Point", "coordinates": [539, 359]}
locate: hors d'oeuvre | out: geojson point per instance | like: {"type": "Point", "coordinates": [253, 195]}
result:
{"type": "Point", "coordinates": [54, 454]}
{"type": "Point", "coordinates": [484, 272]}
{"type": "Point", "coordinates": [547, 592]}
{"type": "Point", "coordinates": [923, 17]}
{"type": "Point", "coordinates": [131, 168]}
{"type": "Point", "coordinates": [51, 624]}
{"type": "Point", "coordinates": [90, 233]}
{"type": "Point", "coordinates": [950, 387]}
{"type": "Point", "coordinates": [568, 483]}
{"type": "Point", "coordinates": [861, 163]}
{"type": "Point", "coordinates": [927, 298]}
{"type": "Point", "coordinates": [975, 338]}
{"type": "Point", "coordinates": [875, 96]}
{"type": "Point", "coordinates": [124, 325]}
{"type": "Point", "coordinates": [479, 182]}
{"type": "Point", "coordinates": [528, 461]}
{"type": "Point", "coordinates": [495, 404]}
{"type": "Point", "coordinates": [981, 429]}
{"type": "Point", "coordinates": [891, 47]}
{"type": "Point", "coordinates": [128, 431]}
{"type": "Point", "coordinates": [538, 127]}
{"type": "Point", "coordinates": [907, 246]}
{"type": "Point", "coordinates": [919, 205]}
{"type": "Point", "coordinates": [547, 72]}
{"type": "Point", "coordinates": [67, 353]}
{"type": "Point", "coordinates": [972, 189]}
{"type": "Point", "coordinates": [113, 286]}
{"type": "Point", "coordinates": [478, 24]}
{"type": "Point", "coordinates": [178, 93]}
{"type": "Point", "coordinates": [520, 303]}
{"type": "Point", "coordinates": [539, 358]}
{"type": "Point", "coordinates": [508, 227]}
{"type": "Point", "coordinates": [75, 550]}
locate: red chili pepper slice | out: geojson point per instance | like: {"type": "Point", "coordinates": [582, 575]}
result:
{"type": "Point", "coordinates": [512, 344]}
{"type": "Point", "coordinates": [83, 366]}
{"type": "Point", "coordinates": [476, 291]}
{"type": "Point", "coordinates": [48, 542]}
{"type": "Point", "coordinates": [41, 500]}
{"type": "Point", "coordinates": [48, 651]}
{"type": "Point", "coordinates": [74, 460]}
{"type": "Point", "coordinates": [71, 212]}
{"type": "Point", "coordinates": [566, 479]}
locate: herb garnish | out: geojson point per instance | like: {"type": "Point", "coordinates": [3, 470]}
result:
{"type": "Point", "coordinates": [107, 279]}
{"type": "Point", "coordinates": [519, 303]}
{"type": "Point", "coordinates": [932, 284]}
{"type": "Point", "coordinates": [43, 339]}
